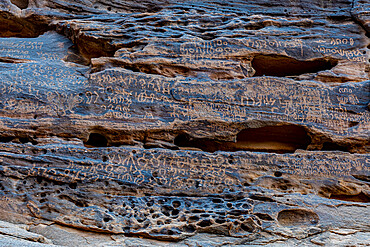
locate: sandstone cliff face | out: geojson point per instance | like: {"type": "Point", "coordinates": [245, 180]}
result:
{"type": "Point", "coordinates": [184, 123]}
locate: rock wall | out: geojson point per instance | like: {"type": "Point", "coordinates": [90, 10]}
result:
{"type": "Point", "coordinates": [184, 123]}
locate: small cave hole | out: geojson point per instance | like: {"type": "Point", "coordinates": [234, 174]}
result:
{"type": "Point", "coordinates": [278, 139]}
{"type": "Point", "coordinates": [278, 174]}
{"type": "Point", "coordinates": [231, 160]}
{"type": "Point", "coordinates": [220, 220]}
{"type": "Point", "coordinates": [247, 227]}
{"type": "Point", "coordinates": [353, 124]}
{"type": "Point", "coordinates": [175, 212]}
{"type": "Point", "coordinates": [193, 218]}
{"type": "Point", "coordinates": [96, 140]}
{"type": "Point", "coordinates": [217, 200]}
{"type": "Point", "coordinates": [182, 140]}
{"type": "Point", "coordinates": [24, 140]}
{"type": "Point", "coordinates": [73, 185]}
{"type": "Point", "coordinates": [176, 204]}
{"type": "Point", "coordinates": [189, 229]}
{"type": "Point", "coordinates": [330, 146]}
{"type": "Point", "coordinates": [283, 187]}
{"type": "Point", "coordinates": [140, 220]}
{"type": "Point", "coordinates": [277, 65]}
{"type": "Point", "coordinates": [6, 138]}
{"type": "Point", "coordinates": [166, 210]}
{"type": "Point", "coordinates": [204, 223]}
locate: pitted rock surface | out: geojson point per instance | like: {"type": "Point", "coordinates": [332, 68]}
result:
{"type": "Point", "coordinates": [184, 123]}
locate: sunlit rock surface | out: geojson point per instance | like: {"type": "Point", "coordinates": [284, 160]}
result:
{"type": "Point", "coordinates": [184, 123]}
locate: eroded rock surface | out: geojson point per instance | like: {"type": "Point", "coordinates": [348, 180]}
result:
{"type": "Point", "coordinates": [184, 123]}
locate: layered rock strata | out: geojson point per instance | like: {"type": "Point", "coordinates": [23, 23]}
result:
{"type": "Point", "coordinates": [206, 123]}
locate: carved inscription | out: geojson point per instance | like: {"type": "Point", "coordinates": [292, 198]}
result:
{"type": "Point", "coordinates": [181, 169]}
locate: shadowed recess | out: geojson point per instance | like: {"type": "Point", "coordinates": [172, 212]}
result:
{"type": "Point", "coordinates": [329, 146]}
{"type": "Point", "coordinates": [6, 138]}
{"type": "Point", "coordinates": [279, 139]}
{"type": "Point", "coordinates": [96, 140]}
{"type": "Point", "coordinates": [277, 65]}
{"type": "Point", "coordinates": [275, 139]}
{"type": "Point", "coordinates": [352, 198]}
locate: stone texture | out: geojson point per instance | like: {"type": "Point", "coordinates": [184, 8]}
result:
{"type": "Point", "coordinates": [184, 123]}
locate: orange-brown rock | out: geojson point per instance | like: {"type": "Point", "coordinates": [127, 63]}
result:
{"type": "Point", "coordinates": [136, 123]}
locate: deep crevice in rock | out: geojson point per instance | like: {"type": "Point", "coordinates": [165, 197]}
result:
{"type": "Point", "coordinates": [362, 177]}
{"type": "Point", "coordinates": [12, 60]}
{"type": "Point", "coordinates": [6, 139]}
{"type": "Point", "coordinates": [278, 65]}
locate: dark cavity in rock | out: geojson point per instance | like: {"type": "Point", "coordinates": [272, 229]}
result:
{"type": "Point", "coordinates": [277, 65]}
{"type": "Point", "coordinates": [96, 140]}
{"type": "Point", "coordinates": [275, 139]}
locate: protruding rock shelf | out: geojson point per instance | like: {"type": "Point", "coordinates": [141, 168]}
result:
{"type": "Point", "coordinates": [184, 123]}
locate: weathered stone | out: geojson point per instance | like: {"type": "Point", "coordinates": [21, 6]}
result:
{"type": "Point", "coordinates": [204, 123]}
